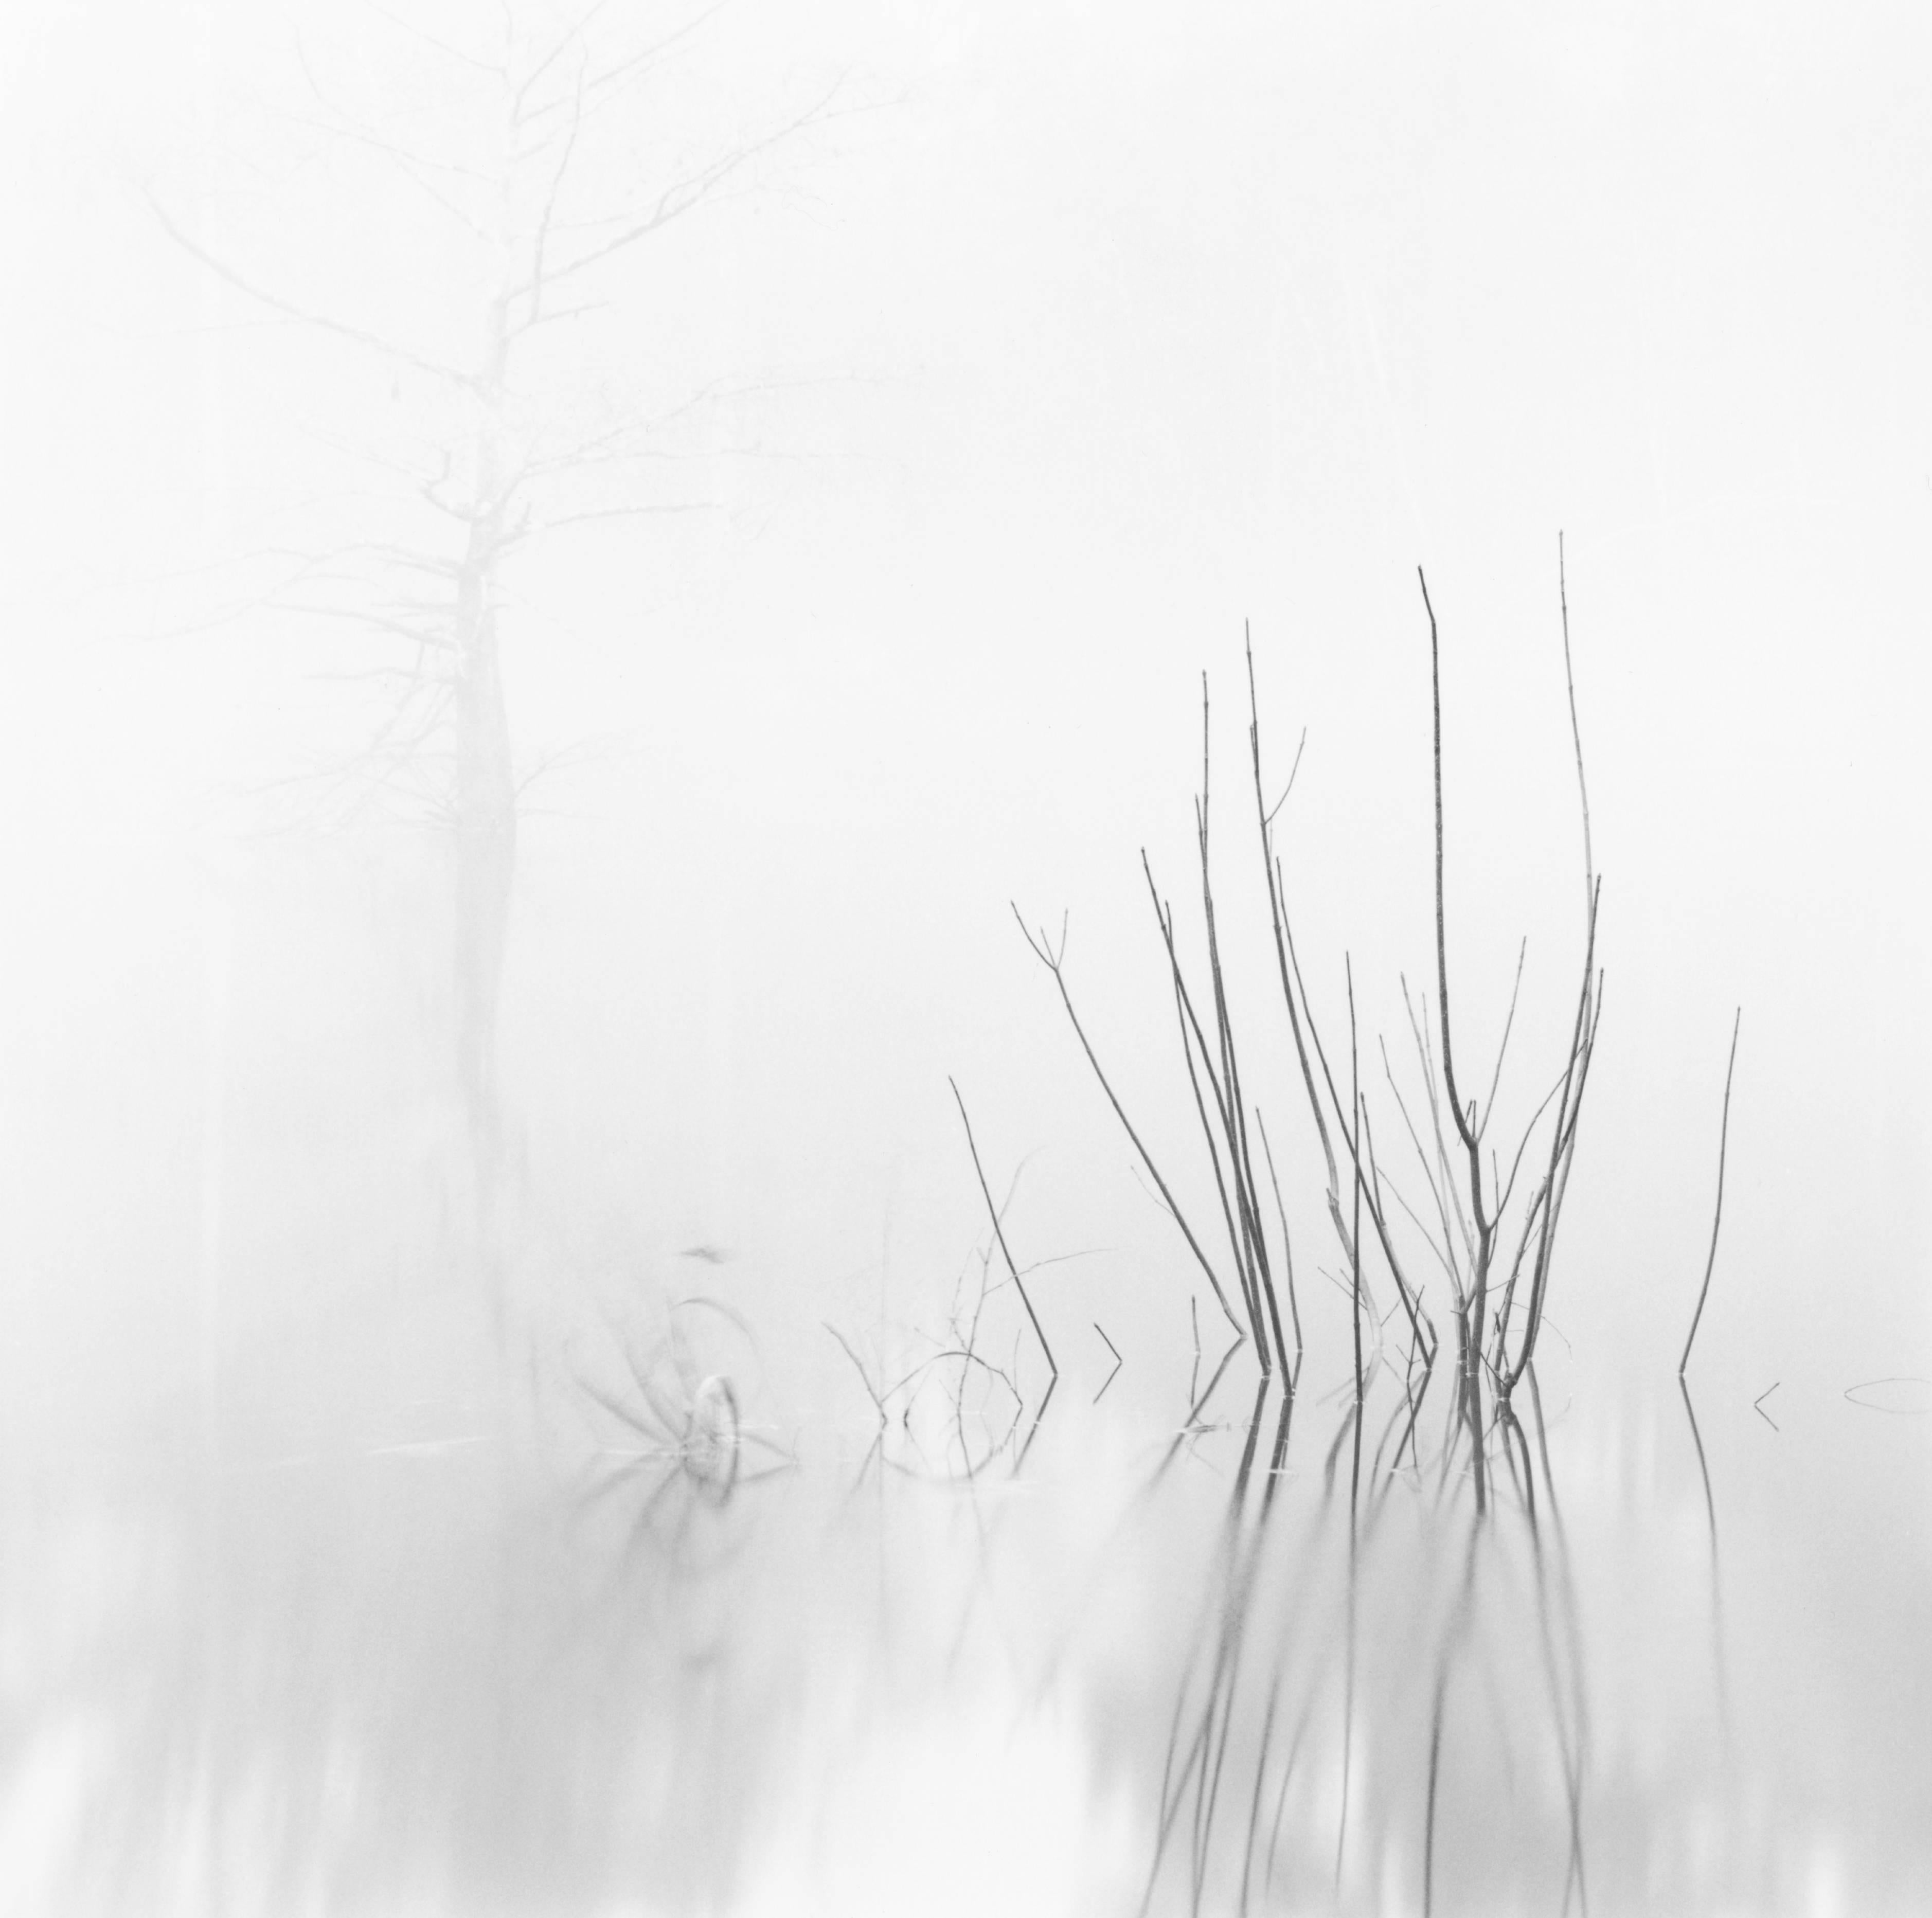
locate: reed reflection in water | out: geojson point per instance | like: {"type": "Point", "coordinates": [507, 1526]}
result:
{"type": "Point", "coordinates": [1425, 1656]}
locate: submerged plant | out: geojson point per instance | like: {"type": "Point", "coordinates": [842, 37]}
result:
{"type": "Point", "coordinates": [676, 1404]}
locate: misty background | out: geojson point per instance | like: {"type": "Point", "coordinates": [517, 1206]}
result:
{"type": "Point", "coordinates": [1028, 356]}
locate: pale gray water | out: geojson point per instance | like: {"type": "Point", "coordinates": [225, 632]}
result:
{"type": "Point", "coordinates": [464, 1671]}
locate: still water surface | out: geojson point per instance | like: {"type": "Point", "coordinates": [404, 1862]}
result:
{"type": "Point", "coordinates": [570, 1649]}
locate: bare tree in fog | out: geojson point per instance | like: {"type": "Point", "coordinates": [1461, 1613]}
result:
{"type": "Point", "coordinates": [508, 140]}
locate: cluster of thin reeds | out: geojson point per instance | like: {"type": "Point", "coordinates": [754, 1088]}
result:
{"type": "Point", "coordinates": [1490, 1229]}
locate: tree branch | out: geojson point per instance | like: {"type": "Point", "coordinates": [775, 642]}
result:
{"type": "Point", "coordinates": [307, 315]}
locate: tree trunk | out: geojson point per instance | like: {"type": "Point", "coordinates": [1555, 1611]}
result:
{"type": "Point", "coordinates": [482, 823]}
{"type": "Point", "coordinates": [484, 833]}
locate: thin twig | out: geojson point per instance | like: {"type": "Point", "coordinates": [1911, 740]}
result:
{"type": "Point", "coordinates": [1583, 1046]}
{"type": "Point", "coordinates": [1287, 1249]}
{"type": "Point", "coordinates": [292, 309]}
{"type": "Point", "coordinates": [865, 1377]}
{"type": "Point", "coordinates": [1184, 1011]}
{"type": "Point", "coordinates": [1576, 732]}
{"type": "Point", "coordinates": [1053, 962]}
{"type": "Point", "coordinates": [1355, 1247]}
{"type": "Point", "coordinates": [1418, 1318]}
{"type": "Point", "coordinates": [1445, 1250]}
{"type": "Point", "coordinates": [1718, 1211]}
{"type": "Point", "coordinates": [1254, 1236]}
{"type": "Point", "coordinates": [999, 1232]}
{"type": "Point", "coordinates": [1496, 1080]}
{"type": "Point", "coordinates": [1485, 1226]}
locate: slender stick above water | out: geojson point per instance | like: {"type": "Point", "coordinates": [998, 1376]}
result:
{"type": "Point", "coordinates": [1287, 1249]}
{"type": "Point", "coordinates": [1484, 1221]}
{"type": "Point", "coordinates": [1053, 961]}
{"type": "Point", "coordinates": [1355, 1236]}
{"type": "Point", "coordinates": [1575, 731]}
{"type": "Point", "coordinates": [999, 1233]}
{"type": "Point", "coordinates": [1718, 1211]}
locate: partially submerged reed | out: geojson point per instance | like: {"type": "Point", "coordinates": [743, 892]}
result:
{"type": "Point", "coordinates": [1492, 1239]}
{"type": "Point", "coordinates": [1717, 1210]}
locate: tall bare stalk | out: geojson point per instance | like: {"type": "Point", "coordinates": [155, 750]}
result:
{"type": "Point", "coordinates": [1718, 1211]}
{"type": "Point", "coordinates": [1484, 1220]}
{"type": "Point", "coordinates": [1287, 1248]}
{"type": "Point", "coordinates": [1238, 1189]}
{"type": "Point", "coordinates": [1355, 1236]}
{"type": "Point", "coordinates": [1301, 1024]}
{"type": "Point", "coordinates": [1582, 1045]}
